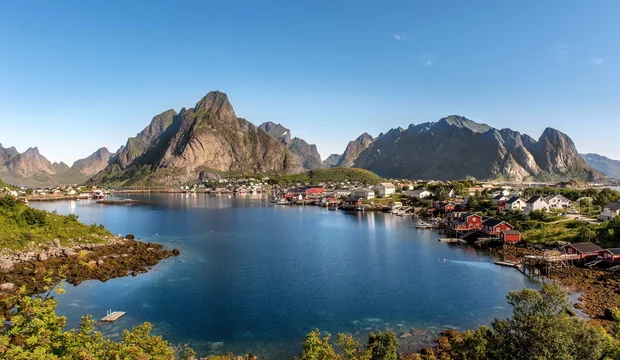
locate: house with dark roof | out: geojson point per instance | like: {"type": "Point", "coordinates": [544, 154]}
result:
{"type": "Point", "coordinates": [466, 222]}
{"type": "Point", "coordinates": [495, 227]}
{"type": "Point", "coordinates": [536, 202]}
{"type": "Point", "coordinates": [610, 211]}
{"type": "Point", "coordinates": [585, 250]}
{"type": "Point", "coordinates": [610, 255]}
{"type": "Point", "coordinates": [515, 203]}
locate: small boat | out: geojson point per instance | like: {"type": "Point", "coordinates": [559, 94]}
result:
{"type": "Point", "coordinates": [359, 208]}
{"type": "Point", "coordinates": [273, 200]}
{"type": "Point", "coordinates": [332, 206]}
{"type": "Point", "coordinates": [422, 225]}
{"type": "Point", "coordinates": [282, 202]}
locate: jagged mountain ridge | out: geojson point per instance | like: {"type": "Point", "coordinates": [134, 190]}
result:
{"type": "Point", "coordinates": [603, 164]}
{"type": "Point", "coordinates": [31, 168]}
{"type": "Point", "coordinates": [455, 147]}
{"type": "Point", "coordinates": [354, 149]}
{"type": "Point", "coordinates": [195, 144]}
{"type": "Point", "coordinates": [308, 154]}
{"type": "Point", "coordinates": [331, 160]}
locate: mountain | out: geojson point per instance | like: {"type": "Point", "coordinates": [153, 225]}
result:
{"type": "Point", "coordinates": [30, 168]}
{"type": "Point", "coordinates": [94, 163]}
{"type": "Point", "coordinates": [354, 149]}
{"type": "Point", "coordinates": [277, 131]}
{"type": "Point", "coordinates": [603, 164]}
{"type": "Point", "coordinates": [308, 155]}
{"type": "Point", "coordinates": [455, 147]}
{"type": "Point", "coordinates": [197, 143]}
{"type": "Point", "coordinates": [331, 160]}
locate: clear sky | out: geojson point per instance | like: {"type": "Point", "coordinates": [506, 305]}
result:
{"type": "Point", "coordinates": [78, 75]}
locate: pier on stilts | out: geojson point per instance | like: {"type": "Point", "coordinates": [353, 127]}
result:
{"type": "Point", "coordinates": [547, 263]}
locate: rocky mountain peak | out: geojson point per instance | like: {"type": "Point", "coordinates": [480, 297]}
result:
{"type": "Point", "coordinates": [158, 125]}
{"type": "Point", "coordinates": [354, 149]}
{"type": "Point", "coordinates": [278, 131]}
{"type": "Point", "coordinates": [217, 104]}
{"type": "Point", "coordinates": [463, 122]}
{"type": "Point", "coordinates": [94, 163]}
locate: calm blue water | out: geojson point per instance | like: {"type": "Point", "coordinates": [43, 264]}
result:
{"type": "Point", "coordinates": [253, 277]}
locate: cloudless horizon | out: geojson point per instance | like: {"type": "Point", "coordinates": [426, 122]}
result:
{"type": "Point", "coordinates": [80, 75]}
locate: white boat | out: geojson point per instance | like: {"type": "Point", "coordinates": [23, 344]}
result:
{"type": "Point", "coordinates": [422, 225]}
{"type": "Point", "coordinates": [282, 202]}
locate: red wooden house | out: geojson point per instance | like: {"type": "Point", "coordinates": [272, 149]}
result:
{"type": "Point", "coordinates": [466, 221]}
{"type": "Point", "coordinates": [351, 203]}
{"type": "Point", "coordinates": [444, 207]}
{"type": "Point", "coordinates": [495, 227]}
{"type": "Point", "coordinates": [586, 251]}
{"type": "Point", "coordinates": [510, 236]}
{"type": "Point", "coordinates": [307, 192]}
{"type": "Point", "coordinates": [611, 255]}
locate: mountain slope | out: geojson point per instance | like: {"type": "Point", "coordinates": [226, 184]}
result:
{"type": "Point", "coordinates": [603, 164]}
{"type": "Point", "coordinates": [30, 168]}
{"type": "Point", "coordinates": [354, 149]}
{"type": "Point", "coordinates": [331, 160]}
{"type": "Point", "coordinates": [206, 139]}
{"type": "Point", "coordinates": [455, 147]}
{"type": "Point", "coordinates": [308, 154]}
{"type": "Point", "coordinates": [94, 163]}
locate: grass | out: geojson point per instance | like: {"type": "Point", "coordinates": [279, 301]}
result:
{"type": "Point", "coordinates": [549, 233]}
{"type": "Point", "coordinates": [20, 225]}
{"type": "Point", "coordinates": [336, 174]}
{"type": "Point", "coordinates": [390, 199]}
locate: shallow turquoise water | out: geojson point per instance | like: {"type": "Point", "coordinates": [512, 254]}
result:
{"type": "Point", "coordinates": [253, 277]}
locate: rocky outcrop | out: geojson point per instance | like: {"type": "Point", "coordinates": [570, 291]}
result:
{"type": "Point", "coordinates": [354, 149]}
{"type": "Point", "coordinates": [331, 160]}
{"type": "Point", "coordinates": [307, 154]}
{"type": "Point", "coordinates": [455, 147]}
{"type": "Point", "coordinates": [603, 164]}
{"type": "Point", "coordinates": [7, 153]}
{"type": "Point", "coordinates": [277, 131]}
{"type": "Point", "coordinates": [94, 163]}
{"type": "Point", "coordinates": [208, 138]}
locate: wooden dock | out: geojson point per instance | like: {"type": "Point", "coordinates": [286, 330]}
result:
{"type": "Point", "coordinates": [449, 240]}
{"type": "Point", "coordinates": [113, 316]}
{"type": "Point", "coordinates": [508, 263]}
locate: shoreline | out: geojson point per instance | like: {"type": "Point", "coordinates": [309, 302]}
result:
{"type": "Point", "coordinates": [118, 257]}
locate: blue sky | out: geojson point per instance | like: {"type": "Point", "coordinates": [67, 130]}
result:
{"type": "Point", "coordinates": [78, 75]}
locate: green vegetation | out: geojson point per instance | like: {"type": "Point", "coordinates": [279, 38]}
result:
{"type": "Point", "coordinates": [21, 224]}
{"type": "Point", "coordinates": [34, 331]}
{"type": "Point", "coordinates": [336, 174]}
{"type": "Point", "coordinates": [542, 326]}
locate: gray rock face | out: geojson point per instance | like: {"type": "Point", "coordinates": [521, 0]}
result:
{"type": "Point", "coordinates": [307, 154]}
{"type": "Point", "coordinates": [94, 163]}
{"type": "Point", "coordinates": [455, 147]}
{"type": "Point", "coordinates": [354, 149]}
{"type": "Point", "coordinates": [331, 160]}
{"type": "Point", "coordinates": [208, 138]}
{"type": "Point", "coordinates": [603, 164]}
{"type": "Point", "coordinates": [277, 131]}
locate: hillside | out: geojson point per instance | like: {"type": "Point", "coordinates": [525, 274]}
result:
{"type": "Point", "coordinates": [455, 147]}
{"type": "Point", "coordinates": [195, 143]}
{"type": "Point", "coordinates": [336, 174]}
{"type": "Point", "coordinates": [603, 164]}
{"type": "Point", "coordinates": [307, 154]}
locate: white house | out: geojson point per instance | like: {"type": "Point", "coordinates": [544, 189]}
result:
{"type": "Point", "coordinates": [418, 194]}
{"type": "Point", "coordinates": [558, 202]}
{"type": "Point", "coordinates": [366, 194]}
{"type": "Point", "coordinates": [499, 198]}
{"type": "Point", "coordinates": [385, 189]}
{"type": "Point", "coordinates": [515, 203]}
{"type": "Point", "coordinates": [610, 211]}
{"type": "Point", "coordinates": [536, 202]}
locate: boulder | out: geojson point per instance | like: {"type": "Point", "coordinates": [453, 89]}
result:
{"type": "Point", "coordinates": [130, 237]}
{"type": "Point", "coordinates": [175, 252]}
{"type": "Point", "coordinates": [7, 287]}
{"type": "Point", "coordinates": [100, 262]}
{"type": "Point", "coordinates": [56, 243]}
{"type": "Point", "coordinates": [43, 256]}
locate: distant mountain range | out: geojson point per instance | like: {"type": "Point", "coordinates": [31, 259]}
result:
{"type": "Point", "coordinates": [455, 147]}
{"type": "Point", "coordinates": [30, 168]}
{"type": "Point", "coordinates": [603, 164]}
{"type": "Point", "coordinates": [210, 141]}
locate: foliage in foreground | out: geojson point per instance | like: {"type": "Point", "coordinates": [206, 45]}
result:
{"type": "Point", "coordinates": [21, 224]}
{"type": "Point", "coordinates": [34, 331]}
{"type": "Point", "coordinates": [541, 327]}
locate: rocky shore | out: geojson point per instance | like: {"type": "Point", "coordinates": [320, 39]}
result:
{"type": "Point", "coordinates": [114, 258]}
{"type": "Point", "coordinates": [600, 289]}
